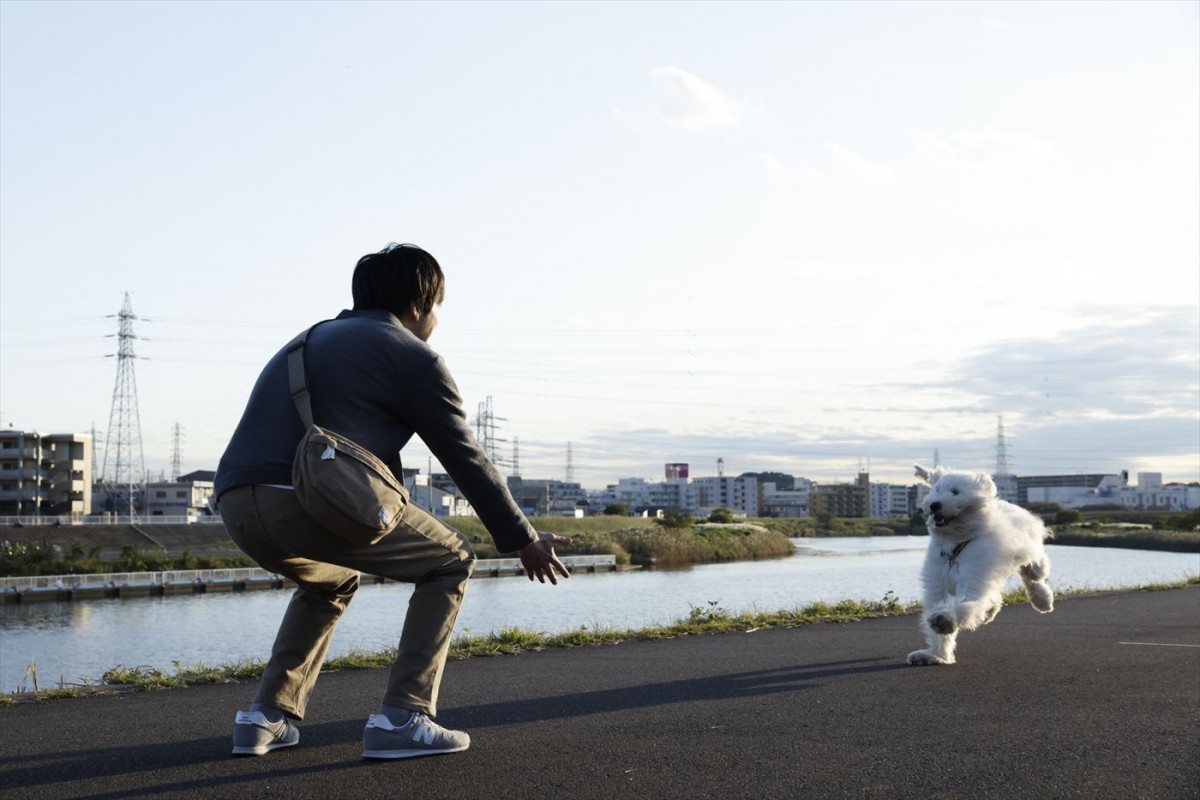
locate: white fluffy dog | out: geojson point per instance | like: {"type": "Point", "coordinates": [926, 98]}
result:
{"type": "Point", "coordinates": [976, 542]}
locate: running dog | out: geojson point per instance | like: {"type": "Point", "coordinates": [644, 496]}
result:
{"type": "Point", "coordinates": [976, 543]}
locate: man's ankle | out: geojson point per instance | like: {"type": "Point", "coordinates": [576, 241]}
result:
{"type": "Point", "coordinates": [272, 713]}
{"type": "Point", "coordinates": [397, 715]}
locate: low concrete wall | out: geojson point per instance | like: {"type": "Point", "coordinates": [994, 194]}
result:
{"type": "Point", "coordinates": [61, 588]}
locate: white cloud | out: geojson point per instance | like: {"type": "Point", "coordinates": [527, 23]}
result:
{"type": "Point", "coordinates": [786, 166]}
{"type": "Point", "coordinates": [859, 165]}
{"type": "Point", "coordinates": [984, 146]}
{"type": "Point", "coordinates": [688, 100]}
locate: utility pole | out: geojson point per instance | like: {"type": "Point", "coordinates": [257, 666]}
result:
{"type": "Point", "coordinates": [176, 453]}
{"type": "Point", "coordinates": [485, 431]}
{"type": "Point", "coordinates": [124, 464]}
{"type": "Point", "coordinates": [1001, 447]}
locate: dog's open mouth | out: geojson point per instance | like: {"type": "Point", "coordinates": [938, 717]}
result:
{"type": "Point", "coordinates": [940, 519]}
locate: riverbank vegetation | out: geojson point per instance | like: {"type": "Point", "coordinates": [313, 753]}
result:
{"type": "Point", "coordinates": [709, 619]}
{"type": "Point", "coordinates": [20, 558]}
{"type": "Point", "coordinates": [676, 539]}
{"type": "Point", "coordinates": [647, 542]}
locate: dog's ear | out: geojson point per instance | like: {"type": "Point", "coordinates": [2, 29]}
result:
{"type": "Point", "coordinates": [986, 485]}
{"type": "Point", "coordinates": [937, 473]}
{"type": "Point", "coordinates": [921, 472]}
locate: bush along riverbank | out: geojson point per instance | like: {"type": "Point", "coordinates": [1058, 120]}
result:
{"type": "Point", "coordinates": [664, 542]}
{"type": "Point", "coordinates": [1134, 538]}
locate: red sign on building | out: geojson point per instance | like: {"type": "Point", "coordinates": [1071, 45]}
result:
{"type": "Point", "coordinates": [674, 471]}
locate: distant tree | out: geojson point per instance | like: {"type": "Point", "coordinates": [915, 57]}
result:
{"type": "Point", "coordinates": [674, 518]}
{"type": "Point", "coordinates": [824, 519]}
{"type": "Point", "coordinates": [131, 560]}
{"type": "Point", "coordinates": [1067, 516]}
{"type": "Point", "coordinates": [1183, 522]}
{"type": "Point", "coordinates": [616, 510]}
{"type": "Point", "coordinates": [722, 515]}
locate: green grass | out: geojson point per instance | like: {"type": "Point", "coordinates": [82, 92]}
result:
{"type": "Point", "coordinates": [1134, 538]}
{"type": "Point", "coordinates": [704, 620]}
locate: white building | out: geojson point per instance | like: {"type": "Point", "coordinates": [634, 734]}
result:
{"type": "Point", "coordinates": [889, 500]}
{"type": "Point", "coordinates": [437, 502]}
{"type": "Point", "coordinates": [1091, 490]}
{"type": "Point", "coordinates": [1151, 493]}
{"type": "Point", "coordinates": [641, 495]}
{"type": "Point", "coordinates": [185, 499]}
{"type": "Point", "coordinates": [738, 494]}
{"type": "Point", "coordinates": [776, 502]}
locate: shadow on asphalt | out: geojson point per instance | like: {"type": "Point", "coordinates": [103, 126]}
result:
{"type": "Point", "coordinates": [625, 698]}
{"type": "Point", "coordinates": [99, 763]}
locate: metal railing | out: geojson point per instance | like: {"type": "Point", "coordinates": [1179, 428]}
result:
{"type": "Point", "coordinates": [25, 583]}
{"type": "Point", "coordinates": [92, 519]}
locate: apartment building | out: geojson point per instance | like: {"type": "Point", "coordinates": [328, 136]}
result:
{"type": "Point", "coordinates": [842, 499]}
{"type": "Point", "coordinates": [548, 497]}
{"type": "Point", "coordinates": [890, 500]}
{"type": "Point", "coordinates": [45, 474]}
{"type": "Point", "coordinates": [642, 495]}
{"type": "Point", "coordinates": [739, 494]}
{"type": "Point", "coordinates": [776, 502]}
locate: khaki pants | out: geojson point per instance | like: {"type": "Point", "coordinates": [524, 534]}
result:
{"type": "Point", "coordinates": [269, 525]}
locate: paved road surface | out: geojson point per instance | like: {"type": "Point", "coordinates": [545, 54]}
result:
{"type": "Point", "coordinates": [1100, 699]}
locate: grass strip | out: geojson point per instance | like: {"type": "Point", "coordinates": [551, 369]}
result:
{"type": "Point", "coordinates": [701, 621]}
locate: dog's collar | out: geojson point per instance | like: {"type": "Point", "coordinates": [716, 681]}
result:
{"type": "Point", "coordinates": [953, 554]}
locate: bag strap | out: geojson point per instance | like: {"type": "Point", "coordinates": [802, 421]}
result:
{"type": "Point", "coordinates": [297, 377]}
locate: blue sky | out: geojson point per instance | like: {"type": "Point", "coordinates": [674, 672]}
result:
{"type": "Point", "coordinates": [804, 237]}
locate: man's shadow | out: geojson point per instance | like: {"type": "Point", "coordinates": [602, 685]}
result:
{"type": "Point", "coordinates": [213, 752]}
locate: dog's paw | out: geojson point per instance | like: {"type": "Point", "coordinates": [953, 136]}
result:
{"type": "Point", "coordinates": [927, 658]}
{"type": "Point", "coordinates": [991, 613]}
{"type": "Point", "coordinates": [1041, 597]}
{"type": "Point", "coordinates": [942, 623]}
{"type": "Point", "coordinates": [1036, 571]}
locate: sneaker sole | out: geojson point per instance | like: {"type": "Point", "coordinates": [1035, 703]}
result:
{"type": "Point", "coordinates": [262, 749]}
{"type": "Point", "coordinates": [411, 752]}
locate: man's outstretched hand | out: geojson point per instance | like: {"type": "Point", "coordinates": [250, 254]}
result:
{"type": "Point", "coordinates": [539, 560]}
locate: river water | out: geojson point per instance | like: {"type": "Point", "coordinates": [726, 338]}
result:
{"type": "Point", "coordinates": [77, 641]}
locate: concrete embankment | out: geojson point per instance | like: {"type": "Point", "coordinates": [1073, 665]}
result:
{"type": "Point", "coordinates": [64, 588]}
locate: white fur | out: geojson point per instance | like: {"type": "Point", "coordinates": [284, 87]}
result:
{"type": "Point", "coordinates": [963, 591]}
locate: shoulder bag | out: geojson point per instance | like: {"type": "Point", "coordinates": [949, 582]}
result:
{"type": "Point", "coordinates": [343, 486]}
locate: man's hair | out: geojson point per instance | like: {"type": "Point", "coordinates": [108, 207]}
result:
{"type": "Point", "coordinates": [397, 277]}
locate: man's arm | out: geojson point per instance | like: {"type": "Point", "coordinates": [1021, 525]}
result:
{"type": "Point", "coordinates": [436, 414]}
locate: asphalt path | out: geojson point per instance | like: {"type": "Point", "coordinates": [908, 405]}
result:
{"type": "Point", "coordinates": [1100, 699]}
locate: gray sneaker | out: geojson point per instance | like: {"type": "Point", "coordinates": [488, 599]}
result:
{"type": "Point", "coordinates": [253, 735]}
{"type": "Point", "coordinates": [420, 736]}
